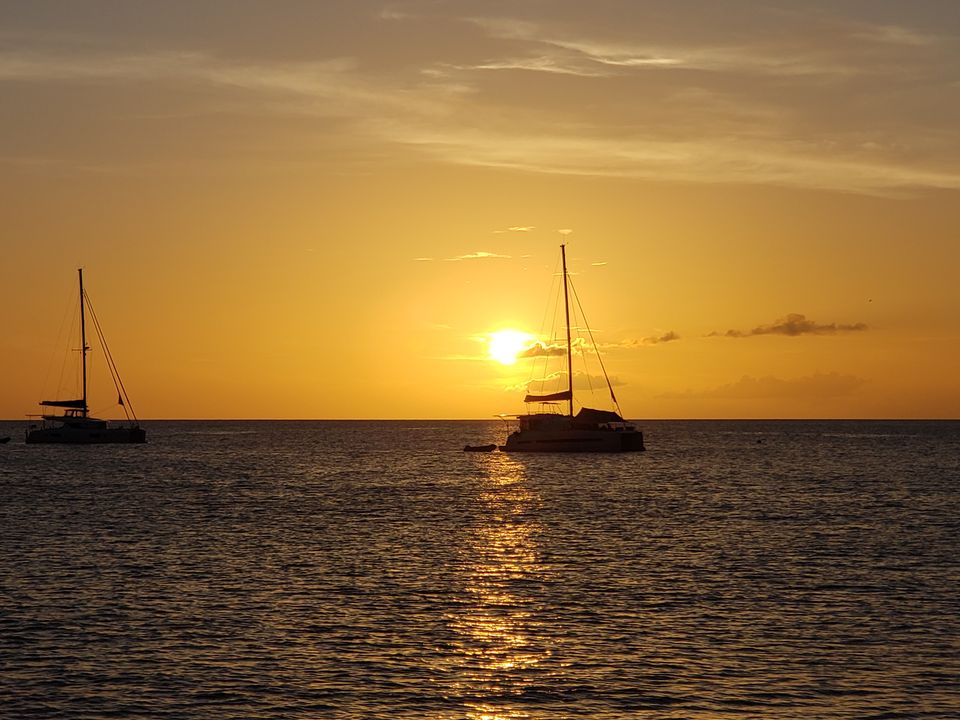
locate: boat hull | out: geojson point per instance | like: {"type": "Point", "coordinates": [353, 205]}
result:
{"type": "Point", "coordinates": [86, 436]}
{"type": "Point", "coordinates": [578, 441]}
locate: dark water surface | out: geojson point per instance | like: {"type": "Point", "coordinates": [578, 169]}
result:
{"type": "Point", "coordinates": [373, 570]}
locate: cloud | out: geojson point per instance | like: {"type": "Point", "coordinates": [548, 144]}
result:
{"type": "Point", "coordinates": [579, 345]}
{"type": "Point", "coordinates": [556, 50]}
{"type": "Point", "coordinates": [539, 382]}
{"type": "Point", "coordinates": [793, 325]}
{"type": "Point", "coordinates": [669, 336]}
{"type": "Point", "coordinates": [661, 101]}
{"type": "Point", "coordinates": [894, 35]}
{"type": "Point", "coordinates": [557, 381]}
{"type": "Point", "coordinates": [539, 349]}
{"type": "Point", "coordinates": [584, 381]}
{"type": "Point", "coordinates": [541, 63]}
{"type": "Point", "coordinates": [517, 228]}
{"type": "Point", "coordinates": [819, 386]}
{"type": "Point", "coordinates": [479, 255]}
{"type": "Point", "coordinates": [744, 159]}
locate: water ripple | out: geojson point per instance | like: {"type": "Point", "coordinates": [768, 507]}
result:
{"type": "Point", "coordinates": [344, 570]}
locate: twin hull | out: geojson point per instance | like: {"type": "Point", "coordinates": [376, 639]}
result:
{"type": "Point", "coordinates": [574, 441]}
{"type": "Point", "coordinates": [86, 436]}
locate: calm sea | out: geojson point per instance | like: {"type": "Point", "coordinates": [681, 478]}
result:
{"type": "Point", "coordinates": [374, 570]}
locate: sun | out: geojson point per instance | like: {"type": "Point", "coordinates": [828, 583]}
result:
{"type": "Point", "coordinates": [505, 346]}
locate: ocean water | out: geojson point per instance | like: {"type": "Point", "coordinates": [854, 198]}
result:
{"type": "Point", "coordinates": [374, 570]}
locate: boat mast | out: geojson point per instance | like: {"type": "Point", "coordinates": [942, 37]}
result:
{"type": "Point", "coordinates": [83, 344]}
{"type": "Point", "coordinates": [566, 309]}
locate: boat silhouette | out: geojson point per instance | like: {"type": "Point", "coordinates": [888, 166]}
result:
{"type": "Point", "coordinates": [75, 426]}
{"type": "Point", "coordinates": [589, 430]}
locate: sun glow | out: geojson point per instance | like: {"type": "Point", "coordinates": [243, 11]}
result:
{"type": "Point", "coordinates": [505, 346]}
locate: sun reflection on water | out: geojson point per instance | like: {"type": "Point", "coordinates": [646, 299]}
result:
{"type": "Point", "coordinates": [500, 643]}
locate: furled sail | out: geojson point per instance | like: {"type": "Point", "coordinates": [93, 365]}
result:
{"type": "Point", "coordinates": [565, 395]}
{"type": "Point", "coordinates": [79, 404]}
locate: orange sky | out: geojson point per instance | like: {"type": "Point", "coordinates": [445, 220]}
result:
{"type": "Point", "coordinates": [321, 210]}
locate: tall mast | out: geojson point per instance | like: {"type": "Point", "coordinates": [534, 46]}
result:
{"type": "Point", "coordinates": [566, 309]}
{"type": "Point", "coordinates": [83, 344]}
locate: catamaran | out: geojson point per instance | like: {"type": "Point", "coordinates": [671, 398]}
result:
{"type": "Point", "coordinates": [589, 430]}
{"type": "Point", "coordinates": [75, 426]}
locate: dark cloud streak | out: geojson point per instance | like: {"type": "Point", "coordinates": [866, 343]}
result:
{"type": "Point", "coordinates": [794, 325]}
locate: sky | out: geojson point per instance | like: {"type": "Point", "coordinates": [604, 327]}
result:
{"type": "Point", "coordinates": [332, 210]}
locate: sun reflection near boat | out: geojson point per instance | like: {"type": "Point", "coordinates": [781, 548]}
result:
{"type": "Point", "coordinates": [500, 645]}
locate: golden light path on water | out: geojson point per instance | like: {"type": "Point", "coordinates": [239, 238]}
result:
{"type": "Point", "coordinates": [500, 640]}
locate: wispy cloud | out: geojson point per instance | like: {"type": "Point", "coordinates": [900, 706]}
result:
{"type": "Point", "coordinates": [333, 87]}
{"type": "Point", "coordinates": [666, 337]}
{"type": "Point", "coordinates": [702, 160]}
{"type": "Point", "coordinates": [793, 325]}
{"type": "Point", "coordinates": [895, 35]}
{"type": "Point", "coordinates": [478, 255]}
{"type": "Point", "coordinates": [648, 341]}
{"type": "Point", "coordinates": [462, 113]}
{"type": "Point", "coordinates": [540, 349]}
{"type": "Point", "coordinates": [578, 345]}
{"type": "Point", "coordinates": [516, 229]}
{"type": "Point", "coordinates": [816, 386]}
{"type": "Point", "coordinates": [559, 51]}
{"type": "Point", "coordinates": [557, 381]}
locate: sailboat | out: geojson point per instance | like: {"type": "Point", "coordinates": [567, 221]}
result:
{"type": "Point", "coordinates": [75, 426]}
{"type": "Point", "coordinates": [589, 430]}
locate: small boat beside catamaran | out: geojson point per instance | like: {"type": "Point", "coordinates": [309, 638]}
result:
{"type": "Point", "coordinates": [75, 426]}
{"type": "Point", "coordinates": [551, 429]}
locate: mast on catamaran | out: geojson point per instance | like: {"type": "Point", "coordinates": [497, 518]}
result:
{"type": "Point", "coordinates": [83, 346]}
{"type": "Point", "coordinates": [566, 309]}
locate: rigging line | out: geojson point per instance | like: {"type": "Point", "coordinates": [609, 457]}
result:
{"type": "Point", "coordinates": [583, 355]}
{"type": "Point", "coordinates": [100, 339]}
{"type": "Point", "coordinates": [77, 368]}
{"type": "Point", "coordinates": [597, 351]}
{"type": "Point", "coordinates": [541, 364]}
{"type": "Point", "coordinates": [69, 312]}
{"type": "Point", "coordinates": [555, 334]}
{"type": "Point", "coordinates": [114, 373]}
{"type": "Point", "coordinates": [111, 365]}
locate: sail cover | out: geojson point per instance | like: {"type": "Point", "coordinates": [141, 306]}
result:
{"type": "Point", "coordinates": [565, 395]}
{"type": "Point", "coordinates": [79, 404]}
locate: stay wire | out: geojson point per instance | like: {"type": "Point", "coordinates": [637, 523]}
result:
{"type": "Point", "coordinates": [114, 373]}
{"type": "Point", "coordinates": [597, 351]}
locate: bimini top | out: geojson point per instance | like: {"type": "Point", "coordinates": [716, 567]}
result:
{"type": "Point", "coordinates": [589, 415]}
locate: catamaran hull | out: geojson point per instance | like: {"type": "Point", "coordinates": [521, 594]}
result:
{"type": "Point", "coordinates": [597, 441]}
{"type": "Point", "coordinates": [85, 436]}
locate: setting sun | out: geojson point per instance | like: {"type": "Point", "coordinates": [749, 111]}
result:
{"type": "Point", "coordinates": [506, 345]}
